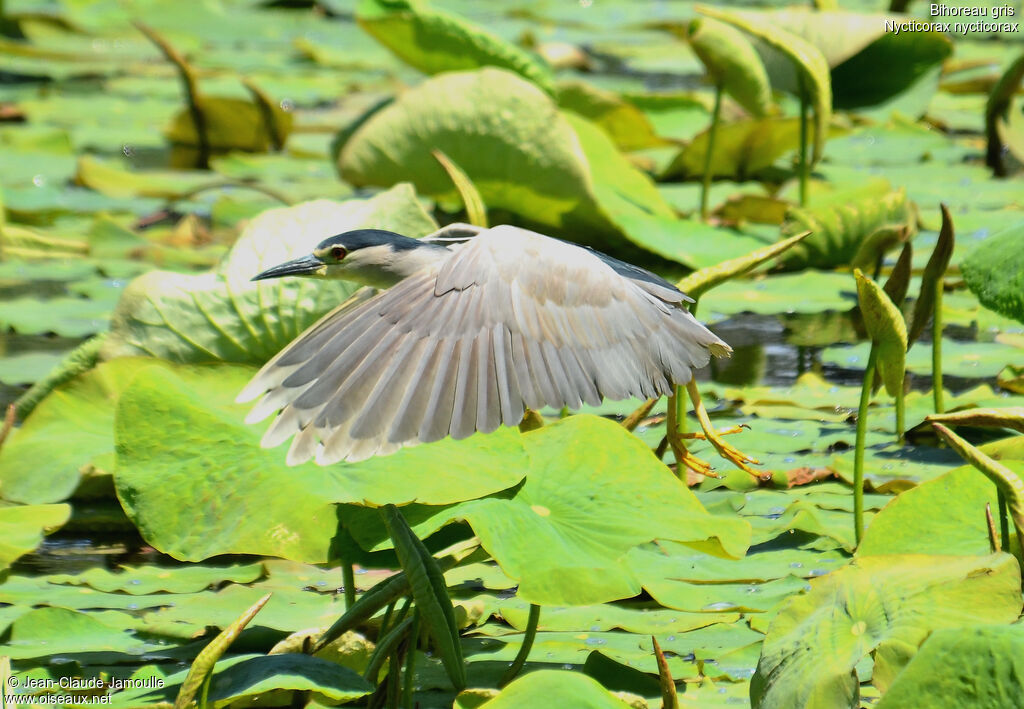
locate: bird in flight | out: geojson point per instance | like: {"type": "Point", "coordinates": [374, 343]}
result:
{"type": "Point", "coordinates": [476, 326]}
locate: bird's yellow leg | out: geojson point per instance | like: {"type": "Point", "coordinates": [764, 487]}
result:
{"type": "Point", "coordinates": [730, 453]}
{"type": "Point", "coordinates": [684, 458]}
{"type": "Point", "coordinates": [721, 432]}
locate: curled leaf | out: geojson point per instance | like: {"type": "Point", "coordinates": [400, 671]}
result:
{"type": "Point", "coordinates": [888, 331]}
{"type": "Point", "coordinates": [1010, 417]}
{"type": "Point", "coordinates": [732, 63]}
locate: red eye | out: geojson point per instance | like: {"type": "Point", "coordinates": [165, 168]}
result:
{"type": "Point", "coordinates": [338, 252]}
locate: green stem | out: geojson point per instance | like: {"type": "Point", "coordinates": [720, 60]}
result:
{"type": "Point", "coordinates": [803, 166]}
{"type": "Point", "coordinates": [858, 451]}
{"type": "Point", "coordinates": [937, 348]}
{"type": "Point", "coordinates": [705, 187]}
{"type": "Point", "coordinates": [524, 649]}
{"type": "Point", "coordinates": [410, 660]}
{"type": "Point", "coordinates": [1004, 522]}
{"type": "Point", "coordinates": [901, 423]}
{"type": "Point", "coordinates": [348, 578]}
{"type": "Point", "coordinates": [680, 402]}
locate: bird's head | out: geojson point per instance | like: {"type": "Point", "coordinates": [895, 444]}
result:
{"type": "Point", "coordinates": [373, 257]}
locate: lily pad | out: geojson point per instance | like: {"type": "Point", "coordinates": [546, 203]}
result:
{"type": "Point", "coordinates": [994, 271]}
{"type": "Point", "coordinates": [885, 605]}
{"type": "Point", "coordinates": [22, 528]}
{"type": "Point", "coordinates": [222, 315]}
{"type": "Point", "coordinates": [175, 432]}
{"type": "Point", "coordinates": [988, 662]}
{"type": "Point", "coordinates": [555, 169]}
{"type": "Point", "coordinates": [555, 689]}
{"type": "Point", "coordinates": [435, 41]}
{"type": "Point", "coordinates": [941, 516]}
{"type": "Point", "coordinates": [144, 580]}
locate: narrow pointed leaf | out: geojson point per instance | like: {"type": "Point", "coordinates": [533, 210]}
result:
{"type": "Point", "coordinates": [707, 278]}
{"type": "Point", "coordinates": [899, 279]}
{"type": "Point", "coordinates": [202, 666]}
{"type": "Point", "coordinates": [429, 592]}
{"type": "Point", "coordinates": [933, 272]}
{"type": "Point", "coordinates": [1008, 482]}
{"type": "Point", "coordinates": [884, 323]}
{"type": "Point", "coordinates": [476, 212]}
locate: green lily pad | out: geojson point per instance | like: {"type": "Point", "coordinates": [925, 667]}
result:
{"type": "Point", "coordinates": [959, 359]}
{"type": "Point", "coordinates": [144, 580]}
{"type": "Point", "coordinates": [555, 169]}
{"type": "Point", "coordinates": [885, 605]}
{"type": "Point", "coordinates": [22, 527]}
{"type": "Point", "coordinates": [945, 515]}
{"type": "Point", "coordinates": [807, 292]}
{"type": "Point", "coordinates": [64, 316]}
{"type": "Point", "coordinates": [222, 315]}
{"type": "Point", "coordinates": [555, 688]}
{"type": "Point", "coordinates": [52, 631]}
{"type": "Point", "coordinates": [71, 430]}
{"type": "Point", "coordinates": [994, 271]}
{"type": "Point", "coordinates": [435, 41]}
{"type": "Point", "coordinates": [988, 659]}
{"type": "Point", "coordinates": [627, 125]}
{"type": "Point", "coordinates": [155, 466]}
{"type": "Point", "coordinates": [577, 512]}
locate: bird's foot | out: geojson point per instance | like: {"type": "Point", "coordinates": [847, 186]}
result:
{"type": "Point", "coordinates": [727, 451]}
{"type": "Point", "coordinates": [721, 432]}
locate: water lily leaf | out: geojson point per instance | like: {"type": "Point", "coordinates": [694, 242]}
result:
{"type": "Point", "coordinates": [742, 148]}
{"type": "Point", "coordinates": [732, 63]}
{"type": "Point", "coordinates": [170, 426]}
{"type": "Point", "coordinates": [994, 271]}
{"type": "Point", "coordinates": [945, 515]}
{"type": "Point", "coordinates": [22, 528]}
{"type": "Point", "coordinates": [959, 359]}
{"type": "Point", "coordinates": [574, 508]}
{"type": "Point", "coordinates": [434, 41]}
{"type": "Point", "coordinates": [231, 124]}
{"type": "Point", "coordinates": [793, 64]}
{"type": "Point", "coordinates": [115, 181]}
{"type": "Point", "coordinates": [555, 169]}
{"type": "Point", "coordinates": [706, 278]}
{"type": "Point", "coordinates": [221, 315]}
{"type": "Point", "coordinates": [627, 125]}
{"type": "Point", "coordinates": [555, 688]}
{"type": "Point", "coordinates": [69, 431]}
{"type": "Point", "coordinates": [55, 631]}
{"type": "Point", "coordinates": [992, 656]}
{"type": "Point", "coordinates": [885, 605]}
{"type": "Point", "coordinates": [808, 292]}
{"type": "Point", "coordinates": [839, 228]}
{"type": "Point", "coordinates": [142, 580]}
{"type": "Point", "coordinates": [65, 316]}
{"type": "Point", "coordinates": [888, 331]}
{"type": "Point", "coordinates": [273, 678]}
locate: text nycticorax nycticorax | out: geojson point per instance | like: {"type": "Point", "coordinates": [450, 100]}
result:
{"type": "Point", "coordinates": [477, 325]}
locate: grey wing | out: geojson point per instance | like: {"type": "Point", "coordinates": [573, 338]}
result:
{"type": "Point", "coordinates": [511, 320]}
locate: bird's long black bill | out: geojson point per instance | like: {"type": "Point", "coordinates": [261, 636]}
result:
{"type": "Point", "coordinates": [305, 266]}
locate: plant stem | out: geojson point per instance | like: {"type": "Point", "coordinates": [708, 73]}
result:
{"type": "Point", "coordinates": [937, 348]}
{"type": "Point", "coordinates": [803, 166]}
{"type": "Point", "coordinates": [900, 416]}
{"type": "Point", "coordinates": [858, 451]}
{"type": "Point", "coordinates": [348, 578]}
{"type": "Point", "coordinates": [705, 187]}
{"type": "Point", "coordinates": [680, 402]}
{"type": "Point", "coordinates": [524, 650]}
{"type": "Point", "coordinates": [1004, 521]}
{"type": "Point", "coordinates": [410, 660]}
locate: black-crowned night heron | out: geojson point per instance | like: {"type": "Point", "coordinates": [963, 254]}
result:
{"type": "Point", "coordinates": [477, 325]}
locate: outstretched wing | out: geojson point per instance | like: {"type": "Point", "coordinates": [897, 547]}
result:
{"type": "Point", "coordinates": [512, 319]}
